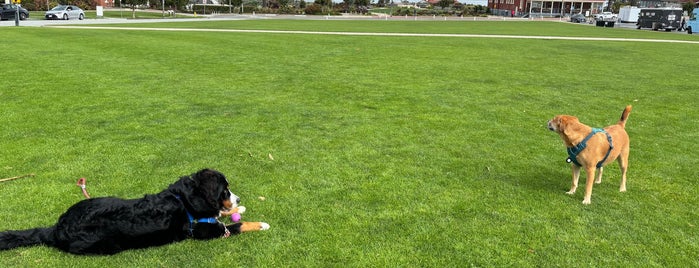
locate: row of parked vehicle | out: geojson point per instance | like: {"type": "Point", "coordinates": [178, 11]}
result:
{"type": "Point", "coordinates": [60, 12]}
{"type": "Point", "coordinates": [604, 16]}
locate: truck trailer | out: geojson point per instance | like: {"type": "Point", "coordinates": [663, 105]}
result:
{"type": "Point", "coordinates": [629, 13]}
{"type": "Point", "coordinates": [667, 19]}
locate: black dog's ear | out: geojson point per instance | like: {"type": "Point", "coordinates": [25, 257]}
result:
{"type": "Point", "coordinates": [206, 174]}
{"type": "Point", "coordinates": [209, 179]}
{"type": "Point", "coordinates": [208, 185]}
{"type": "Point", "coordinates": [200, 192]}
{"type": "Point", "coordinates": [184, 186]}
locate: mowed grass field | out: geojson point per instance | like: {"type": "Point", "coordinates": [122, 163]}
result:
{"type": "Point", "coordinates": [367, 151]}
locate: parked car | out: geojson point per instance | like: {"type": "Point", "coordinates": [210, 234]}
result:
{"type": "Point", "coordinates": [65, 12]}
{"type": "Point", "coordinates": [8, 11]}
{"type": "Point", "coordinates": [606, 16]}
{"type": "Point", "coordinates": [578, 18]}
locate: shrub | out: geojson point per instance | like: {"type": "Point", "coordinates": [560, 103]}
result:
{"type": "Point", "coordinates": [314, 9]}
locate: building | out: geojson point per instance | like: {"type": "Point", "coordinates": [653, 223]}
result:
{"type": "Point", "coordinates": [562, 8]}
{"type": "Point", "coordinates": [545, 8]}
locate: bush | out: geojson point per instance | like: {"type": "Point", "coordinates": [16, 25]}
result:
{"type": "Point", "coordinates": [250, 9]}
{"type": "Point", "coordinates": [40, 5]}
{"type": "Point", "coordinates": [286, 10]}
{"type": "Point", "coordinates": [200, 9]}
{"type": "Point", "coordinates": [463, 10]}
{"type": "Point", "coordinates": [475, 10]}
{"type": "Point", "coordinates": [314, 9]}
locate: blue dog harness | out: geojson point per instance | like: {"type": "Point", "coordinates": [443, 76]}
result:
{"type": "Point", "coordinates": [192, 221]}
{"type": "Point", "coordinates": [575, 150]}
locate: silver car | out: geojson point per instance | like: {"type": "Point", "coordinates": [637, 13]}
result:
{"type": "Point", "coordinates": [65, 12]}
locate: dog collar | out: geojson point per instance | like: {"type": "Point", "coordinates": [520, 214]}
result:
{"type": "Point", "coordinates": [575, 150]}
{"type": "Point", "coordinates": [205, 220]}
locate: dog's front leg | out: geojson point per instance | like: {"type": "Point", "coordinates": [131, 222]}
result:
{"type": "Point", "coordinates": [599, 175]}
{"type": "Point", "coordinates": [576, 176]}
{"type": "Point", "coordinates": [590, 173]}
{"type": "Point", "coordinates": [242, 227]}
{"type": "Point", "coordinates": [254, 226]}
{"type": "Point", "coordinates": [238, 210]}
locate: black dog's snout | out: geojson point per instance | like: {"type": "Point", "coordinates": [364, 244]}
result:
{"type": "Point", "coordinates": [237, 200]}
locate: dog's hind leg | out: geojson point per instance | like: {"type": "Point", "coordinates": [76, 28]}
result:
{"type": "Point", "coordinates": [599, 175]}
{"type": "Point", "coordinates": [623, 165]}
{"type": "Point", "coordinates": [576, 176]}
{"type": "Point", "coordinates": [24, 238]}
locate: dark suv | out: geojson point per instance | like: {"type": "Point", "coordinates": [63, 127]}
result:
{"type": "Point", "coordinates": [8, 12]}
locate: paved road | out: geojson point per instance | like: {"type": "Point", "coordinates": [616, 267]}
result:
{"type": "Point", "coordinates": [37, 22]}
{"type": "Point", "coordinates": [87, 22]}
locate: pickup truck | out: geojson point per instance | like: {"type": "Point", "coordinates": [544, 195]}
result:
{"type": "Point", "coordinates": [606, 16]}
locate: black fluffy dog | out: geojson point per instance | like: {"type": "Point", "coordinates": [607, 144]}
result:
{"type": "Point", "coordinates": [186, 209]}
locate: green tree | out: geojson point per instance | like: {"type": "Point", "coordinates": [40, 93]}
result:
{"type": "Point", "coordinates": [169, 4]}
{"type": "Point", "coordinates": [133, 4]}
{"type": "Point", "coordinates": [689, 6]}
{"type": "Point", "coordinates": [445, 3]}
{"type": "Point", "coordinates": [178, 4]}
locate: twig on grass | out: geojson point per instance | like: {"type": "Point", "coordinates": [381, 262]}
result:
{"type": "Point", "coordinates": [18, 177]}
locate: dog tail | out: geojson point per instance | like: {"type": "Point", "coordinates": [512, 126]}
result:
{"type": "Point", "coordinates": [24, 238]}
{"type": "Point", "coordinates": [624, 116]}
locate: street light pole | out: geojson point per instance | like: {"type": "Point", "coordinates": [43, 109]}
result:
{"type": "Point", "coordinates": [16, 15]}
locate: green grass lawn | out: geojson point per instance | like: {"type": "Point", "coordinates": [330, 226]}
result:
{"type": "Point", "coordinates": [529, 28]}
{"type": "Point", "coordinates": [385, 151]}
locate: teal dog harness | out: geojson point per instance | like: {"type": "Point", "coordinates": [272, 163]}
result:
{"type": "Point", "coordinates": [575, 150]}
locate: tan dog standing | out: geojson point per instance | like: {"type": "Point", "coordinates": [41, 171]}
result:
{"type": "Point", "coordinates": [592, 149]}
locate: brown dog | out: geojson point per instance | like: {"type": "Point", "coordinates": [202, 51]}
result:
{"type": "Point", "coordinates": [593, 148]}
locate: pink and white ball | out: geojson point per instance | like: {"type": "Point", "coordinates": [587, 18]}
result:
{"type": "Point", "coordinates": [235, 217]}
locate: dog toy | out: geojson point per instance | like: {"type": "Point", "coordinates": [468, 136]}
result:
{"type": "Point", "coordinates": [235, 217]}
{"type": "Point", "coordinates": [81, 183]}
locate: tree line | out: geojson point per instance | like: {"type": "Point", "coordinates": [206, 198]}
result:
{"type": "Point", "coordinates": [318, 7]}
